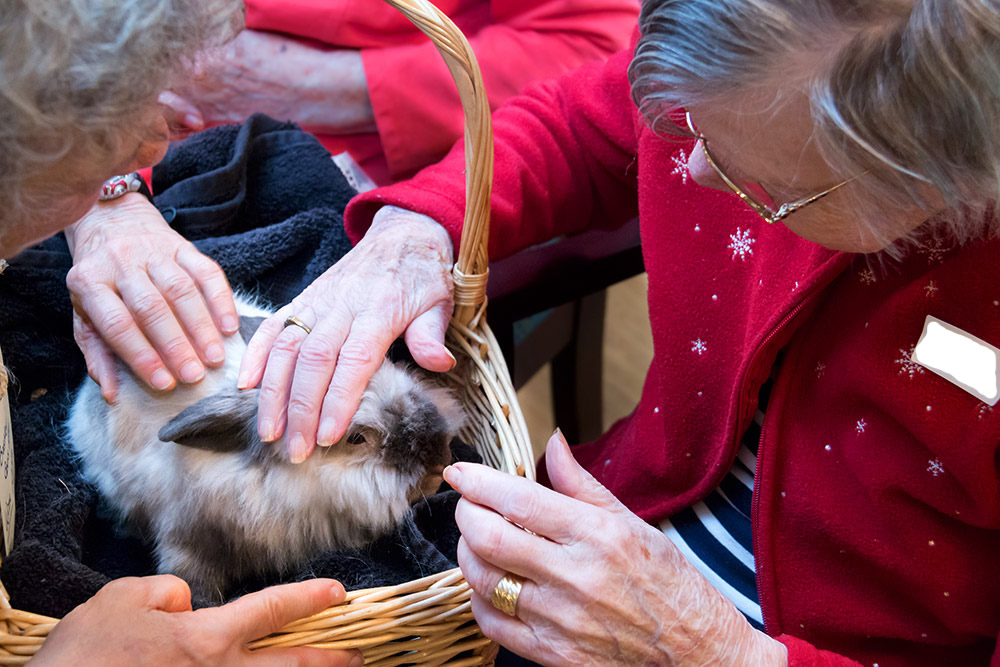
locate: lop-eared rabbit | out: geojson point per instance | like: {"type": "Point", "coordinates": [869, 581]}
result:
{"type": "Point", "coordinates": [188, 468]}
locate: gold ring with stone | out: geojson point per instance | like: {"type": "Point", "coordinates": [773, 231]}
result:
{"type": "Point", "coordinates": [506, 593]}
{"type": "Point", "coordinates": [292, 321]}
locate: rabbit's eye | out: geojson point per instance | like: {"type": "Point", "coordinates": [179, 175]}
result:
{"type": "Point", "coordinates": [355, 438]}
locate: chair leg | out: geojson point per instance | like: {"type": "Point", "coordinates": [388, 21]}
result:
{"type": "Point", "coordinates": [577, 373]}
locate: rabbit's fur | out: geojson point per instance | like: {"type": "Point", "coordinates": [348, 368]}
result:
{"type": "Point", "coordinates": [187, 466]}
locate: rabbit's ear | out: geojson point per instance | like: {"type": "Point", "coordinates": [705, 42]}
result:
{"type": "Point", "coordinates": [225, 422]}
{"type": "Point", "coordinates": [249, 326]}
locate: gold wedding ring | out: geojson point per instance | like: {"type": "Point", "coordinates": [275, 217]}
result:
{"type": "Point", "coordinates": [506, 593]}
{"type": "Point", "coordinates": [292, 321]}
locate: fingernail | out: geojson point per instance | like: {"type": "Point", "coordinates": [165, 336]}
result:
{"type": "Point", "coordinates": [336, 594]}
{"type": "Point", "coordinates": [243, 381]}
{"type": "Point", "coordinates": [357, 660]}
{"type": "Point", "coordinates": [161, 379]}
{"type": "Point", "coordinates": [193, 121]}
{"type": "Point", "coordinates": [325, 437]}
{"type": "Point", "coordinates": [192, 371]}
{"type": "Point", "coordinates": [454, 361]}
{"type": "Point", "coordinates": [230, 324]}
{"type": "Point", "coordinates": [297, 448]}
{"type": "Point", "coordinates": [452, 475]}
{"type": "Point", "coordinates": [215, 353]}
{"type": "Point", "coordinates": [267, 430]}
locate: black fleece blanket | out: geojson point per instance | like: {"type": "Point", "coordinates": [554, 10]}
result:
{"type": "Point", "coordinates": [265, 201]}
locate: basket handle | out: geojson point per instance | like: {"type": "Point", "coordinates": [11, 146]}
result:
{"type": "Point", "coordinates": [472, 268]}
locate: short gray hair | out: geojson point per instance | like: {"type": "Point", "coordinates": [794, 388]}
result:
{"type": "Point", "coordinates": [74, 74]}
{"type": "Point", "coordinates": [906, 92]}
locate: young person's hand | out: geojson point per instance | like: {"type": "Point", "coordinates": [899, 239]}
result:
{"type": "Point", "coordinates": [148, 621]}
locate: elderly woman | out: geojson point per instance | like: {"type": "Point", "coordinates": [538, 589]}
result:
{"type": "Point", "coordinates": [792, 487]}
{"type": "Point", "coordinates": [79, 83]}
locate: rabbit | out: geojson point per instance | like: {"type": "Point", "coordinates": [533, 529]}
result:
{"type": "Point", "coordinates": [188, 467]}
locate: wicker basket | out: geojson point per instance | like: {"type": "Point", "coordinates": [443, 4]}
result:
{"type": "Point", "coordinates": [427, 621]}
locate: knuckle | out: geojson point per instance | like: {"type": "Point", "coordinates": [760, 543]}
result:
{"type": "Point", "coordinates": [176, 348]}
{"type": "Point", "coordinates": [355, 354]}
{"type": "Point", "coordinates": [300, 406]}
{"type": "Point", "coordinates": [338, 395]}
{"type": "Point", "coordinates": [76, 279]}
{"type": "Point", "coordinates": [475, 574]}
{"type": "Point", "coordinates": [286, 344]}
{"type": "Point", "coordinates": [144, 359]}
{"type": "Point", "coordinates": [84, 336]}
{"type": "Point", "coordinates": [492, 542]}
{"type": "Point", "coordinates": [178, 287]}
{"type": "Point", "coordinates": [271, 393]}
{"type": "Point", "coordinates": [524, 506]}
{"type": "Point", "coordinates": [117, 587]}
{"type": "Point", "coordinates": [116, 324]}
{"type": "Point", "coordinates": [200, 262]}
{"type": "Point", "coordinates": [222, 296]}
{"type": "Point", "coordinates": [271, 611]}
{"type": "Point", "coordinates": [317, 352]}
{"type": "Point", "coordinates": [149, 308]}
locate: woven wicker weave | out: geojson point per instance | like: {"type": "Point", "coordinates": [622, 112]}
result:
{"type": "Point", "coordinates": [427, 621]}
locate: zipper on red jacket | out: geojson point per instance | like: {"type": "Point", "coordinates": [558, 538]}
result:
{"type": "Point", "coordinates": [755, 511]}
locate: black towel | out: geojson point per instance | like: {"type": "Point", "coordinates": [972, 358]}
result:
{"type": "Point", "coordinates": [265, 201]}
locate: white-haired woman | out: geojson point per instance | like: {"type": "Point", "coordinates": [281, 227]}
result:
{"type": "Point", "coordinates": [78, 104]}
{"type": "Point", "coordinates": [793, 486]}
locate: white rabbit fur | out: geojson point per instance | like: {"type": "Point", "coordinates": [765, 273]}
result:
{"type": "Point", "coordinates": [226, 505]}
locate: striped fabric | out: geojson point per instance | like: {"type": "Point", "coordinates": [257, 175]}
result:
{"type": "Point", "coordinates": [715, 534]}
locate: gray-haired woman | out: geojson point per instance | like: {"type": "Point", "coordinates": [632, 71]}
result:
{"type": "Point", "coordinates": [79, 82]}
{"type": "Point", "coordinates": [810, 476]}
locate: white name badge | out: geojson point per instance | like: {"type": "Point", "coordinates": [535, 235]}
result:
{"type": "Point", "coordinates": [961, 358]}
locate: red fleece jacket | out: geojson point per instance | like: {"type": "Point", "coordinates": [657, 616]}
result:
{"type": "Point", "coordinates": [416, 105]}
{"type": "Point", "coordinates": [877, 502]}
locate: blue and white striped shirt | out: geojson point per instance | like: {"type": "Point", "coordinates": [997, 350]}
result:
{"type": "Point", "coordinates": [715, 533]}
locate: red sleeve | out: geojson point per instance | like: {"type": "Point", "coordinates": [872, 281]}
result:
{"type": "Point", "coordinates": [803, 654]}
{"type": "Point", "coordinates": [564, 162]}
{"type": "Point", "coordinates": [147, 175]}
{"type": "Point", "coordinates": [416, 105]}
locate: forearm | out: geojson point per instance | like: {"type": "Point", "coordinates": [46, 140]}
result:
{"type": "Point", "coordinates": [323, 90]}
{"type": "Point", "coordinates": [564, 154]}
{"type": "Point", "coordinates": [331, 93]}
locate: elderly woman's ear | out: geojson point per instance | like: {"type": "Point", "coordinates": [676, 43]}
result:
{"type": "Point", "coordinates": [182, 116]}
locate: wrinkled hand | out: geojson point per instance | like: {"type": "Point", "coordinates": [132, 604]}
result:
{"type": "Point", "coordinates": [396, 280]}
{"type": "Point", "coordinates": [323, 90]}
{"type": "Point", "coordinates": [601, 586]}
{"type": "Point", "coordinates": [143, 292]}
{"type": "Point", "coordinates": [136, 622]}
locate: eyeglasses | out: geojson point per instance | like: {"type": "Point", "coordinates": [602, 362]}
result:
{"type": "Point", "coordinates": [754, 195]}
